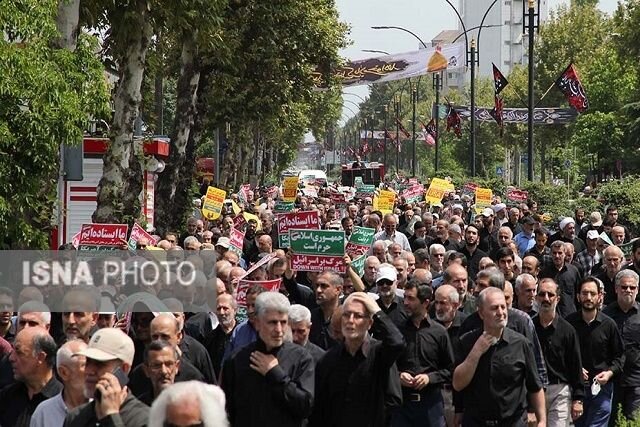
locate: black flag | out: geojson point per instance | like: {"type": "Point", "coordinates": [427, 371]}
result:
{"type": "Point", "coordinates": [499, 80]}
{"type": "Point", "coordinates": [570, 85]}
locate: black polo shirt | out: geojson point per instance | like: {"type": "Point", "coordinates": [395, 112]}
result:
{"type": "Point", "coordinates": [519, 322]}
{"type": "Point", "coordinates": [567, 279]}
{"type": "Point", "coordinates": [428, 351]}
{"type": "Point", "coordinates": [629, 326]}
{"type": "Point", "coordinates": [216, 342]}
{"type": "Point", "coordinates": [561, 351]}
{"type": "Point", "coordinates": [503, 377]}
{"type": "Point", "coordinates": [601, 345]}
{"type": "Point", "coordinates": [16, 408]}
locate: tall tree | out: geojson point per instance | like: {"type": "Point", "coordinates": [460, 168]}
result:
{"type": "Point", "coordinates": [47, 95]}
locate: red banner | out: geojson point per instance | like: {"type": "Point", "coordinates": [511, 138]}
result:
{"type": "Point", "coordinates": [517, 195]}
{"type": "Point", "coordinates": [244, 285]}
{"type": "Point", "coordinates": [103, 234]}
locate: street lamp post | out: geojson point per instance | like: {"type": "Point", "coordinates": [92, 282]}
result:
{"type": "Point", "coordinates": [437, 85]}
{"type": "Point", "coordinates": [472, 53]}
{"type": "Point", "coordinates": [531, 26]}
{"type": "Point", "coordinates": [386, 114]}
{"type": "Point", "coordinates": [397, 101]}
{"type": "Point", "coordinates": [473, 60]}
{"type": "Point", "coordinates": [414, 101]}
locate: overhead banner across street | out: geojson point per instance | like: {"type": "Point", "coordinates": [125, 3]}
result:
{"type": "Point", "coordinates": [398, 66]}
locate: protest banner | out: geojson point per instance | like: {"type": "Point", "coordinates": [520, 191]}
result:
{"type": "Point", "coordinates": [213, 203]}
{"type": "Point", "coordinates": [283, 207]}
{"type": "Point", "coordinates": [243, 194]}
{"type": "Point", "coordinates": [95, 238]}
{"type": "Point", "coordinates": [360, 241]}
{"type": "Point", "coordinates": [301, 220]}
{"type": "Point", "coordinates": [483, 198]}
{"type": "Point", "coordinates": [518, 196]}
{"type": "Point", "coordinates": [358, 265]}
{"type": "Point", "coordinates": [437, 190]}
{"type": "Point", "coordinates": [290, 188]}
{"type": "Point", "coordinates": [236, 241]}
{"type": "Point", "coordinates": [241, 294]}
{"type": "Point", "coordinates": [414, 193]}
{"type": "Point", "coordinates": [317, 250]}
{"type": "Point", "coordinates": [138, 233]}
{"type": "Point", "coordinates": [248, 216]}
{"type": "Point", "coordinates": [627, 249]}
{"type": "Point", "coordinates": [262, 261]}
{"type": "Point", "coordinates": [239, 222]}
{"type": "Point", "coordinates": [103, 234]}
{"type": "Point", "coordinates": [386, 200]}
{"type": "Point", "coordinates": [365, 191]}
{"type": "Point", "coordinates": [469, 189]}
{"type": "Point", "coordinates": [75, 240]}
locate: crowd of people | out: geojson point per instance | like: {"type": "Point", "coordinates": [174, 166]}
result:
{"type": "Point", "coordinates": [458, 318]}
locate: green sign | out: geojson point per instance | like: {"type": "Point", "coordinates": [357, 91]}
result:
{"type": "Point", "coordinates": [358, 264]}
{"type": "Point", "coordinates": [283, 207]}
{"type": "Point", "coordinates": [317, 242]}
{"type": "Point", "coordinates": [362, 236]}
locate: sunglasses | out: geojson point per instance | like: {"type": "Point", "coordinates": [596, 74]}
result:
{"type": "Point", "coordinates": [628, 287]}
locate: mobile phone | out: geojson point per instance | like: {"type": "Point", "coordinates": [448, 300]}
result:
{"type": "Point", "coordinates": [123, 379]}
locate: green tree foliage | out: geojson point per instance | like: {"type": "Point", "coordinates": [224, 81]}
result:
{"type": "Point", "coordinates": [46, 98]}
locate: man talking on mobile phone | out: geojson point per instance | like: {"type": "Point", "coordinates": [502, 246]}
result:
{"type": "Point", "coordinates": [109, 357]}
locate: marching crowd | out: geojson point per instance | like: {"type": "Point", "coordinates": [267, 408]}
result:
{"type": "Point", "coordinates": [457, 318]}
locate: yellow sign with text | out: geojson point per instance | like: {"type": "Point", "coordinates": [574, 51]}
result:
{"type": "Point", "coordinates": [213, 203]}
{"type": "Point", "coordinates": [386, 200]}
{"type": "Point", "coordinates": [483, 198]}
{"type": "Point", "coordinates": [290, 188]}
{"type": "Point", "coordinates": [437, 190]}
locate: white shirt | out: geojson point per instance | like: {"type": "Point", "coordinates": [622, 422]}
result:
{"type": "Point", "coordinates": [397, 237]}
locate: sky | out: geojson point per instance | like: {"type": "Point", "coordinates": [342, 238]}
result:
{"type": "Point", "coordinates": [426, 18]}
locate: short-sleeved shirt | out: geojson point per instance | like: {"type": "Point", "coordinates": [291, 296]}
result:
{"type": "Point", "coordinates": [503, 377]}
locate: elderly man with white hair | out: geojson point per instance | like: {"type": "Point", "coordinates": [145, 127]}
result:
{"type": "Point", "coordinates": [269, 381]}
{"type": "Point", "coordinates": [53, 411]}
{"type": "Point", "coordinates": [190, 403]}
{"type": "Point", "coordinates": [300, 321]}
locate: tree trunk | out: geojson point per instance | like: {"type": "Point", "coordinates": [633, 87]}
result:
{"type": "Point", "coordinates": [120, 187]}
{"type": "Point", "coordinates": [175, 182]}
{"type": "Point", "coordinates": [67, 24]}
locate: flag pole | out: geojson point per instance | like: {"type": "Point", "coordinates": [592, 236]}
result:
{"type": "Point", "coordinates": [546, 93]}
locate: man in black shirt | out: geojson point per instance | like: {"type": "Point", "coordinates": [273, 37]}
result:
{"type": "Point", "coordinates": [446, 302]}
{"type": "Point", "coordinates": [602, 353]}
{"type": "Point", "coordinates": [269, 382]}
{"type": "Point", "coordinates": [559, 342]}
{"type": "Point", "coordinates": [390, 303]}
{"type": "Point", "coordinates": [32, 360]}
{"type": "Point", "coordinates": [352, 378]}
{"type": "Point", "coordinates": [425, 365]}
{"type": "Point", "coordinates": [565, 275]}
{"type": "Point", "coordinates": [471, 250]}
{"type": "Point", "coordinates": [626, 313]}
{"type": "Point", "coordinates": [216, 340]}
{"type": "Point", "coordinates": [495, 370]}
{"type": "Point", "coordinates": [300, 322]}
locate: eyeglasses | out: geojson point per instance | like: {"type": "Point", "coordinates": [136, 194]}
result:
{"type": "Point", "coordinates": [141, 246]}
{"type": "Point", "coordinates": [546, 294]}
{"type": "Point", "coordinates": [439, 255]}
{"type": "Point", "coordinates": [358, 316]}
{"type": "Point", "coordinates": [628, 287]}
